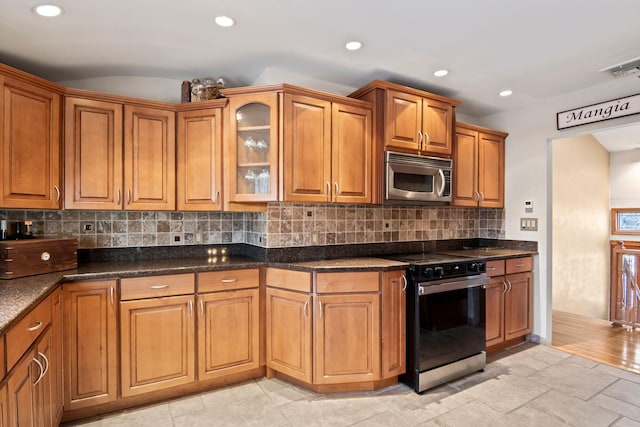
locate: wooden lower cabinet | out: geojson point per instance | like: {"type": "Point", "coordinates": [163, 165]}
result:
{"type": "Point", "coordinates": [228, 332]}
{"type": "Point", "coordinates": [518, 305]}
{"type": "Point", "coordinates": [4, 408]}
{"type": "Point", "coordinates": [157, 344]}
{"type": "Point", "coordinates": [394, 323]}
{"type": "Point", "coordinates": [90, 343]}
{"type": "Point", "coordinates": [509, 300]}
{"type": "Point", "coordinates": [347, 338]}
{"type": "Point", "coordinates": [347, 334]}
{"type": "Point", "coordinates": [22, 398]}
{"type": "Point", "coordinates": [494, 303]}
{"type": "Point", "coordinates": [30, 388]}
{"type": "Point", "coordinates": [289, 333]}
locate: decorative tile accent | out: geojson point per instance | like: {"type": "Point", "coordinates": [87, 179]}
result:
{"type": "Point", "coordinates": [282, 225]}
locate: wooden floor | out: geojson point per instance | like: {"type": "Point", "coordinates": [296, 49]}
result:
{"type": "Point", "coordinates": [597, 339]}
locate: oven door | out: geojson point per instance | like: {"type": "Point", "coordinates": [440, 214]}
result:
{"type": "Point", "coordinates": [451, 321]}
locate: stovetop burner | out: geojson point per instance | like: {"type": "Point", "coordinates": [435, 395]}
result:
{"type": "Point", "coordinates": [423, 258]}
{"type": "Point", "coordinates": [429, 266]}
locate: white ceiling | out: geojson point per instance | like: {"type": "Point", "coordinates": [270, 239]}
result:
{"type": "Point", "coordinates": [537, 49]}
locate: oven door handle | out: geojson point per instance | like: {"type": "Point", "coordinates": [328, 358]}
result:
{"type": "Point", "coordinates": [453, 284]}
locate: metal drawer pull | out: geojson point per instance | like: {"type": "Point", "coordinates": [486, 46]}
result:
{"type": "Point", "coordinates": [128, 196]}
{"type": "Point", "coordinates": [34, 326]}
{"type": "Point", "coordinates": [57, 193]}
{"type": "Point", "coordinates": [41, 370]}
{"type": "Point", "coordinates": [111, 294]}
{"type": "Point", "coordinates": [404, 279]}
{"type": "Point", "coordinates": [304, 309]}
{"type": "Point", "coordinates": [320, 302]}
{"type": "Point", "coordinates": [229, 280]}
{"type": "Point", "coordinates": [190, 308]}
{"type": "Point", "coordinates": [519, 265]}
{"type": "Point", "coordinates": [491, 268]}
{"type": "Point", "coordinates": [201, 306]}
{"type": "Point", "coordinates": [158, 286]}
{"type": "Point", "coordinates": [505, 287]}
{"type": "Point", "coordinates": [336, 184]}
{"type": "Point", "coordinates": [46, 369]}
{"type": "Point", "coordinates": [328, 190]}
{"type": "Point", "coordinates": [117, 197]}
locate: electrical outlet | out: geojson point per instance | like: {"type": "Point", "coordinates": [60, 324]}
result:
{"type": "Point", "coordinates": [87, 227]}
{"type": "Point", "coordinates": [198, 236]}
{"type": "Point", "coordinates": [529, 224]}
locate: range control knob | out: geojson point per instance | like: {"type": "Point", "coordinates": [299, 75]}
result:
{"type": "Point", "coordinates": [428, 273]}
{"type": "Point", "coordinates": [438, 272]}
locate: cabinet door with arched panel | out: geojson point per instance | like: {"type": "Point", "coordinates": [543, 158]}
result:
{"type": "Point", "coordinates": [252, 150]}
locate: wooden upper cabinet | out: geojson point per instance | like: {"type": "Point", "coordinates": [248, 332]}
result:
{"type": "Point", "coordinates": [307, 149]}
{"type": "Point", "coordinates": [491, 170]}
{"type": "Point", "coordinates": [437, 127]}
{"type": "Point", "coordinates": [478, 176]}
{"type": "Point", "coordinates": [149, 158]}
{"type": "Point", "coordinates": [413, 121]}
{"type": "Point", "coordinates": [403, 119]}
{"type": "Point", "coordinates": [251, 156]}
{"type": "Point", "coordinates": [93, 154]}
{"type": "Point", "coordinates": [351, 147]}
{"type": "Point", "coordinates": [30, 129]}
{"type": "Point", "coordinates": [327, 151]}
{"type": "Point", "coordinates": [199, 160]}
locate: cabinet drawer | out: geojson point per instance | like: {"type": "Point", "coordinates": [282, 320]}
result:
{"type": "Point", "coordinates": [352, 281]}
{"type": "Point", "coordinates": [519, 265]}
{"type": "Point", "coordinates": [22, 335]}
{"type": "Point", "coordinates": [212, 281]}
{"type": "Point", "coordinates": [157, 286]}
{"type": "Point", "coordinates": [495, 268]}
{"type": "Point", "coordinates": [289, 279]}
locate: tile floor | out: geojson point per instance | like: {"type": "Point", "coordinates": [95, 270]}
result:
{"type": "Point", "coordinates": [528, 385]}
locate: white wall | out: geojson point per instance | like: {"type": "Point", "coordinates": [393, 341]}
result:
{"type": "Point", "coordinates": [580, 205]}
{"type": "Point", "coordinates": [625, 184]}
{"type": "Point", "coordinates": [527, 174]}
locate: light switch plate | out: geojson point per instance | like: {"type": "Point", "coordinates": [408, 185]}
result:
{"type": "Point", "coordinates": [529, 224]}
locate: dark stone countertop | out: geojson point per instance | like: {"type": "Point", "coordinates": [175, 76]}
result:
{"type": "Point", "coordinates": [490, 253]}
{"type": "Point", "coordinates": [19, 296]}
{"type": "Point", "coordinates": [343, 264]}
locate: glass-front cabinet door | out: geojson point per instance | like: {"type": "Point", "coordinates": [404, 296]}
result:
{"type": "Point", "coordinates": [253, 148]}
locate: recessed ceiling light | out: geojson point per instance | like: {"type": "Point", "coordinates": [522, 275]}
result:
{"type": "Point", "coordinates": [505, 93]}
{"type": "Point", "coordinates": [354, 45]}
{"type": "Point", "coordinates": [48, 10]}
{"type": "Point", "coordinates": [441, 73]}
{"type": "Point", "coordinates": [225, 21]}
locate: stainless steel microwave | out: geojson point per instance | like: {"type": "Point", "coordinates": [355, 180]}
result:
{"type": "Point", "coordinates": [416, 179]}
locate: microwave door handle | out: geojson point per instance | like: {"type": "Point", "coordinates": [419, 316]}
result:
{"type": "Point", "coordinates": [441, 192]}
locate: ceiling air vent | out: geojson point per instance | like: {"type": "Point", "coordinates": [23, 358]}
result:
{"type": "Point", "coordinates": [624, 69]}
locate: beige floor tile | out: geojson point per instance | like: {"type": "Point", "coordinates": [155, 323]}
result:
{"type": "Point", "coordinates": [526, 416]}
{"type": "Point", "coordinates": [475, 414]}
{"type": "Point", "coordinates": [506, 393]}
{"type": "Point", "coordinates": [617, 372]}
{"type": "Point", "coordinates": [218, 398]}
{"type": "Point", "coordinates": [617, 406]}
{"type": "Point", "coordinates": [625, 391]}
{"type": "Point", "coordinates": [572, 410]}
{"type": "Point", "coordinates": [574, 379]}
{"type": "Point", "coordinates": [384, 419]}
{"type": "Point", "coordinates": [187, 405]}
{"type": "Point", "coordinates": [246, 390]}
{"type": "Point", "coordinates": [625, 422]}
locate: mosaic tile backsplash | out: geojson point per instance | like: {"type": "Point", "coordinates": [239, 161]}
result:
{"type": "Point", "coordinates": [282, 225]}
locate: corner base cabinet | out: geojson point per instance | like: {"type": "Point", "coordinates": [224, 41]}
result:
{"type": "Point", "coordinates": [324, 329]}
